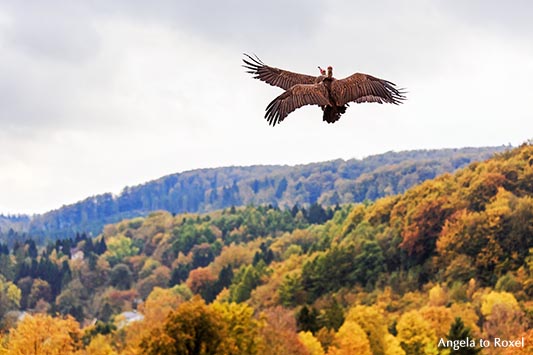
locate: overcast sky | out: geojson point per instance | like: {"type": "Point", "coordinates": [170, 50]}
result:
{"type": "Point", "coordinates": [97, 95]}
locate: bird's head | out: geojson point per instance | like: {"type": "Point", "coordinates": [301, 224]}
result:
{"type": "Point", "coordinates": [322, 71]}
{"type": "Point", "coordinates": [330, 71]}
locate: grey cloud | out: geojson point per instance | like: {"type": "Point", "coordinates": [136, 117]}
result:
{"type": "Point", "coordinates": [235, 21]}
{"type": "Point", "coordinates": [52, 47]}
{"type": "Point", "coordinates": [51, 30]}
{"type": "Point", "coordinates": [500, 17]}
{"type": "Point", "coordinates": [46, 48]}
{"type": "Point", "coordinates": [137, 85]}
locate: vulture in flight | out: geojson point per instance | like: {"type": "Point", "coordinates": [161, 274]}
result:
{"type": "Point", "coordinates": [331, 94]}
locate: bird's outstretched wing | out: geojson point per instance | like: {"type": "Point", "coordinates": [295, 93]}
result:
{"type": "Point", "coordinates": [365, 88]}
{"type": "Point", "coordinates": [297, 96]}
{"type": "Point", "coordinates": [274, 76]}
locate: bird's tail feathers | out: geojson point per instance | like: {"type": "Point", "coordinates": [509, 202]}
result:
{"type": "Point", "coordinates": [333, 113]}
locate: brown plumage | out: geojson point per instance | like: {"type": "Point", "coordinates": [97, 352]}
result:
{"type": "Point", "coordinates": [330, 94]}
{"type": "Point", "coordinates": [274, 76]}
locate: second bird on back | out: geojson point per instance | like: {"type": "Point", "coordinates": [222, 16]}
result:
{"type": "Point", "coordinates": [330, 94]}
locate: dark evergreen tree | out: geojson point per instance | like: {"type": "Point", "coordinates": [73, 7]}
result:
{"type": "Point", "coordinates": [16, 246]}
{"type": "Point", "coordinates": [92, 260]}
{"type": "Point", "coordinates": [332, 270]}
{"type": "Point", "coordinates": [120, 277]}
{"type": "Point", "coordinates": [4, 249]}
{"type": "Point", "coordinates": [225, 277]}
{"type": "Point", "coordinates": [202, 255]}
{"type": "Point", "coordinates": [265, 254]}
{"type": "Point", "coordinates": [282, 186]}
{"type": "Point", "coordinates": [458, 331]}
{"type": "Point", "coordinates": [317, 214]}
{"type": "Point", "coordinates": [66, 273]}
{"type": "Point", "coordinates": [77, 312]}
{"type": "Point", "coordinates": [101, 247]}
{"type": "Point", "coordinates": [333, 317]}
{"type": "Point", "coordinates": [88, 247]}
{"type": "Point", "coordinates": [179, 274]}
{"type": "Point", "coordinates": [255, 186]}
{"type": "Point", "coordinates": [66, 246]}
{"type": "Point", "coordinates": [32, 249]}
{"type": "Point", "coordinates": [106, 312]}
{"type": "Point", "coordinates": [308, 319]}
{"type": "Point", "coordinates": [294, 210]}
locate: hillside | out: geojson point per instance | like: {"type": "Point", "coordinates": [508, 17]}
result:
{"type": "Point", "coordinates": [450, 258]}
{"type": "Point", "coordinates": [327, 183]}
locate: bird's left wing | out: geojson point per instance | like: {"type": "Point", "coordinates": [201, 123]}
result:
{"type": "Point", "coordinates": [365, 88]}
{"type": "Point", "coordinates": [274, 76]}
{"type": "Point", "coordinates": [296, 97]}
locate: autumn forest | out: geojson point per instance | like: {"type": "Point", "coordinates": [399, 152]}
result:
{"type": "Point", "coordinates": [450, 257]}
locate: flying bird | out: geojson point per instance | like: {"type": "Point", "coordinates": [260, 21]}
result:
{"type": "Point", "coordinates": [331, 94]}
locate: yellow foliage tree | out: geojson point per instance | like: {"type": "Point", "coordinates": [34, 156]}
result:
{"type": "Point", "coordinates": [373, 323]}
{"type": "Point", "coordinates": [415, 334]}
{"type": "Point", "coordinates": [393, 345]}
{"type": "Point", "coordinates": [99, 345]}
{"type": "Point", "coordinates": [497, 298]}
{"type": "Point", "coordinates": [350, 339]}
{"type": "Point", "coordinates": [234, 255]}
{"type": "Point", "coordinates": [355, 217]}
{"type": "Point", "coordinates": [242, 330]}
{"type": "Point", "coordinates": [311, 343]}
{"type": "Point", "coordinates": [43, 334]}
{"type": "Point", "coordinates": [438, 296]}
{"type": "Point", "coordinates": [440, 319]}
{"type": "Point", "coordinates": [10, 296]}
{"type": "Point", "coordinates": [120, 247]}
{"type": "Point", "coordinates": [468, 315]}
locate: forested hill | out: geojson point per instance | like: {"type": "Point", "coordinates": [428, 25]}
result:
{"type": "Point", "coordinates": [327, 183]}
{"type": "Point", "coordinates": [451, 258]}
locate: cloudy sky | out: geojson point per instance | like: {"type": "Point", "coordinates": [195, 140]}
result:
{"type": "Point", "coordinates": [97, 95]}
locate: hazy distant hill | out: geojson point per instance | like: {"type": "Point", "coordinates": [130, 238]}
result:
{"type": "Point", "coordinates": [19, 222]}
{"type": "Point", "coordinates": [203, 190]}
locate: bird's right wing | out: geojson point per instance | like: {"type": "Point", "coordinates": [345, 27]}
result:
{"type": "Point", "coordinates": [297, 96]}
{"type": "Point", "coordinates": [274, 76]}
{"type": "Point", "coordinates": [365, 88]}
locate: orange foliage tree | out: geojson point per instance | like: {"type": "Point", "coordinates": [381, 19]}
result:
{"type": "Point", "coordinates": [424, 226]}
{"type": "Point", "coordinates": [43, 334]}
{"type": "Point", "coordinates": [192, 329]}
{"type": "Point", "coordinates": [195, 328]}
{"type": "Point", "coordinates": [528, 345]}
{"type": "Point", "coordinates": [155, 309]}
{"type": "Point", "coordinates": [279, 333]}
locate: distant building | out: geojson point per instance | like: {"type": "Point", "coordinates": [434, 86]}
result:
{"type": "Point", "coordinates": [126, 318]}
